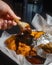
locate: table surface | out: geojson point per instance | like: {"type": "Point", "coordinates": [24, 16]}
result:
{"type": "Point", "coordinates": [5, 60]}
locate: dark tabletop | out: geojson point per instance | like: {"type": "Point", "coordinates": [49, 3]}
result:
{"type": "Point", "coordinates": [5, 60]}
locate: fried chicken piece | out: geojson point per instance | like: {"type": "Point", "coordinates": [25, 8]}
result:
{"type": "Point", "coordinates": [37, 34]}
{"type": "Point", "coordinates": [33, 33]}
{"type": "Point", "coordinates": [21, 44]}
{"type": "Point", "coordinates": [26, 50]}
{"type": "Point", "coordinates": [23, 49]}
{"type": "Point", "coordinates": [10, 39]}
{"type": "Point", "coordinates": [33, 52]}
{"type": "Point", "coordinates": [10, 43]}
{"type": "Point", "coordinates": [46, 47]}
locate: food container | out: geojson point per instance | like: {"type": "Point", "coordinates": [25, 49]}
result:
{"type": "Point", "coordinates": [40, 25]}
{"type": "Point", "coordinates": [19, 59]}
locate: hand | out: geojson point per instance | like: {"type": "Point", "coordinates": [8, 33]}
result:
{"type": "Point", "coordinates": [6, 16]}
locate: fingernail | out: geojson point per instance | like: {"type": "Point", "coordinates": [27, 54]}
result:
{"type": "Point", "coordinates": [10, 22]}
{"type": "Point", "coordinates": [5, 21]}
{"type": "Point", "coordinates": [14, 23]}
{"type": "Point", "coordinates": [18, 18]}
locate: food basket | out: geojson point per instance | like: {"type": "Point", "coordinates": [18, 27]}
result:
{"type": "Point", "coordinates": [21, 60]}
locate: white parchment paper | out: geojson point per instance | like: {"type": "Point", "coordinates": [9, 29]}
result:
{"type": "Point", "coordinates": [42, 24]}
{"type": "Point", "coordinates": [19, 59]}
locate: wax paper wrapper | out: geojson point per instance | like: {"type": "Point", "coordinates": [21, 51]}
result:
{"type": "Point", "coordinates": [19, 59]}
{"type": "Point", "coordinates": [48, 60]}
{"type": "Point", "coordinates": [45, 25]}
{"type": "Point", "coordinates": [41, 24]}
{"type": "Point", "coordinates": [44, 39]}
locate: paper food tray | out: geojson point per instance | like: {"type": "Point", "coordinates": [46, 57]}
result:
{"type": "Point", "coordinates": [19, 59]}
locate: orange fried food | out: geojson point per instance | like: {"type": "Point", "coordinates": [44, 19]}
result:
{"type": "Point", "coordinates": [46, 47]}
{"type": "Point", "coordinates": [23, 49]}
{"type": "Point", "coordinates": [33, 33]}
{"type": "Point", "coordinates": [20, 46]}
{"type": "Point", "coordinates": [26, 50]}
{"type": "Point", "coordinates": [33, 52]}
{"type": "Point", "coordinates": [10, 42]}
{"type": "Point", "coordinates": [10, 39]}
{"type": "Point", "coordinates": [21, 43]}
{"type": "Point", "coordinates": [12, 45]}
{"type": "Point", "coordinates": [37, 34]}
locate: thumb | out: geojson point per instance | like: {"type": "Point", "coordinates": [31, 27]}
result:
{"type": "Point", "coordinates": [12, 14]}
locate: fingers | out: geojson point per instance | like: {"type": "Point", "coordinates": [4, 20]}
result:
{"type": "Point", "coordinates": [7, 16]}
{"type": "Point", "coordinates": [10, 24]}
{"type": "Point", "coordinates": [1, 23]}
{"type": "Point", "coordinates": [14, 23]}
{"type": "Point", "coordinates": [6, 24]}
{"type": "Point", "coordinates": [6, 10]}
